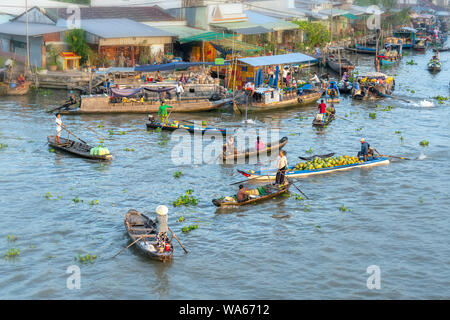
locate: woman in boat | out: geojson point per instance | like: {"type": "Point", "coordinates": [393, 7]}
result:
{"type": "Point", "coordinates": [162, 112]}
{"type": "Point", "coordinates": [162, 239]}
{"type": "Point", "coordinates": [282, 166]}
{"type": "Point", "coordinates": [242, 194]}
{"type": "Point", "coordinates": [259, 144]}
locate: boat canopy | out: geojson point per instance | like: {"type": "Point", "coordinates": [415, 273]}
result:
{"type": "Point", "coordinates": [278, 59]}
{"type": "Point", "coordinates": [374, 75]}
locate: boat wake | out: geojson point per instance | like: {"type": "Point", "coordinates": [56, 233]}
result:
{"type": "Point", "coordinates": [426, 104]}
{"type": "Point", "coordinates": [421, 157]}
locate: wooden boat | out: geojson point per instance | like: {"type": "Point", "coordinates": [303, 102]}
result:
{"type": "Point", "coordinates": [252, 152]}
{"type": "Point", "coordinates": [18, 90]}
{"type": "Point", "coordinates": [190, 128]}
{"type": "Point", "coordinates": [75, 147]}
{"type": "Point", "coordinates": [332, 93]}
{"type": "Point", "coordinates": [320, 123]}
{"type": "Point", "coordinates": [102, 104]}
{"type": "Point", "coordinates": [372, 86]}
{"type": "Point", "coordinates": [265, 99]}
{"type": "Point", "coordinates": [434, 65]}
{"type": "Point", "coordinates": [362, 49]}
{"type": "Point", "coordinates": [138, 225]}
{"type": "Point", "coordinates": [268, 191]}
{"type": "Point", "coordinates": [292, 173]}
{"type": "Point", "coordinates": [344, 65]}
{"type": "Point", "coordinates": [441, 49]}
{"type": "Point", "coordinates": [345, 86]}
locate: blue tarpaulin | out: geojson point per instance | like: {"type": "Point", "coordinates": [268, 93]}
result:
{"type": "Point", "coordinates": [290, 58]}
{"type": "Point", "coordinates": [124, 92]}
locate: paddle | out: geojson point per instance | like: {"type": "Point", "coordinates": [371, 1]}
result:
{"type": "Point", "coordinates": [245, 181]}
{"type": "Point", "coordinates": [140, 238]}
{"type": "Point", "coordinates": [98, 135]}
{"type": "Point", "coordinates": [343, 118]}
{"type": "Point", "coordinates": [65, 128]}
{"type": "Point", "coordinates": [299, 190]}
{"type": "Point", "coordinates": [175, 236]}
{"type": "Point", "coordinates": [395, 157]}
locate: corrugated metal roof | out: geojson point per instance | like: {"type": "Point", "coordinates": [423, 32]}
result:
{"type": "Point", "coordinates": [182, 31]}
{"type": "Point", "coordinates": [120, 28]}
{"type": "Point", "coordinates": [252, 30]}
{"type": "Point", "coordinates": [34, 29]}
{"type": "Point", "coordinates": [136, 13]}
{"type": "Point", "coordinates": [278, 59]}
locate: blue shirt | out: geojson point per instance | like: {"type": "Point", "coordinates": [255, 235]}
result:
{"type": "Point", "coordinates": [364, 148]}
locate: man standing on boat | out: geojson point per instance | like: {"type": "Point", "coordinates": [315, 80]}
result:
{"type": "Point", "coordinates": [179, 90]}
{"type": "Point", "coordinates": [364, 150]}
{"type": "Point", "coordinates": [162, 112]}
{"type": "Point", "coordinates": [322, 109]}
{"type": "Point", "coordinates": [282, 166]}
{"type": "Point", "coordinates": [59, 125]}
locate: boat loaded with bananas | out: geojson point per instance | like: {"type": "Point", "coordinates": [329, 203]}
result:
{"type": "Point", "coordinates": [318, 165]}
{"type": "Point", "coordinates": [81, 148]}
{"type": "Point", "coordinates": [273, 147]}
{"type": "Point", "coordinates": [175, 125]}
{"type": "Point", "coordinates": [265, 192]}
{"type": "Point", "coordinates": [144, 232]}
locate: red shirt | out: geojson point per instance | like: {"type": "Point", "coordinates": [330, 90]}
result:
{"type": "Point", "coordinates": [323, 107]}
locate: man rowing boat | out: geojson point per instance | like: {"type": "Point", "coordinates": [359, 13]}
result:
{"type": "Point", "coordinates": [282, 166]}
{"type": "Point", "coordinates": [366, 151]}
{"type": "Point", "coordinates": [59, 125]}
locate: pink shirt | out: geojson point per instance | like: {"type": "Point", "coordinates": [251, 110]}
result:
{"type": "Point", "coordinates": [260, 145]}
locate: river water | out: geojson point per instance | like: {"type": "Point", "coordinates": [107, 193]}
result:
{"type": "Point", "coordinates": [397, 215]}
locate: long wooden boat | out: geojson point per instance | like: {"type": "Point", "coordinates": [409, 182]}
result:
{"type": "Point", "coordinates": [252, 152]}
{"type": "Point", "coordinates": [362, 49]}
{"type": "Point", "coordinates": [373, 86]}
{"type": "Point", "coordinates": [441, 49]}
{"type": "Point", "coordinates": [75, 147]}
{"type": "Point", "coordinates": [345, 64]}
{"type": "Point", "coordinates": [269, 191]}
{"type": "Point", "coordinates": [18, 90]}
{"type": "Point", "coordinates": [271, 102]}
{"type": "Point", "coordinates": [320, 123]}
{"type": "Point", "coordinates": [434, 65]}
{"type": "Point", "coordinates": [345, 86]}
{"type": "Point", "coordinates": [190, 128]}
{"type": "Point", "coordinates": [292, 173]}
{"type": "Point", "coordinates": [102, 104]}
{"type": "Point", "coordinates": [139, 225]}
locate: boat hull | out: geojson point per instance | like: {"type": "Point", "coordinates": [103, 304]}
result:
{"type": "Point", "coordinates": [306, 173]}
{"type": "Point", "coordinates": [223, 203]}
{"type": "Point", "coordinates": [75, 148]}
{"type": "Point", "coordinates": [191, 129]}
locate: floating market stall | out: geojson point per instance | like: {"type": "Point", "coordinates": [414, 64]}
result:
{"type": "Point", "coordinates": [408, 35]}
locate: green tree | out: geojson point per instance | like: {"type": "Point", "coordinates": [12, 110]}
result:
{"type": "Point", "coordinates": [76, 39]}
{"type": "Point", "coordinates": [316, 33]}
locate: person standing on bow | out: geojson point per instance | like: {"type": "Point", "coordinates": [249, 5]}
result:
{"type": "Point", "coordinates": [322, 109]}
{"type": "Point", "coordinates": [162, 112]}
{"type": "Point", "coordinates": [59, 125]}
{"type": "Point", "coordinates": [282, 166]}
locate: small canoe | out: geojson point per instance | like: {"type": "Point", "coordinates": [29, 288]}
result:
{"type": "Point", "coordinates": [139, 225]}
{"type": "Point", "coordinates": [273, 146]}
{"type": "Point", "coordinates": [190, 128]}
{"type": "Point", "coordinates": [442, 49]}
{"type": "Point", "coordinates": [291, 173]}
{"type": "Point", "coordinates": [75, 147]}
{"type": "Point", "coordinates": [265, 192]}
{"type": "Point", "coordinates": [434, 66]}
{"type": "Point", "coordinates": [320, 123]}
{"type": "Point", "coordinates": [17, 89]}
{"type": "Point", "coordinates": [345, 86]}
{"type": "Point", "coordinates": [339, 66]}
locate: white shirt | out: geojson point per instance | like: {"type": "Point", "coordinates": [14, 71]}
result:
{"type": "Point", "coordinates": [282, 162]}
{"type": "Point", "coordinates": [315, 78]}
{"type": "Point", "coordinates": [58, 124]}
{"type": "Point", "coordinates": [285, 73]}
{"type": "Point", "coordinates": [179, 88]}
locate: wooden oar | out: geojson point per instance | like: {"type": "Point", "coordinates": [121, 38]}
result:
{"type": "Point", "coordinates": [175, 236]}
{"type": "Point", "coordinates": [65, 128]}
{"type": "Point", "coordinates": [245, 181]}
{"type": "Point", "coordinates": [343, 118]}
{"type": "Point", "coordinates": [395, 157]}
{"type": "Point", "coordinates": [98, 135]}
{"type": "Point", "coordinates": [299, 190]}
{"type": "Point", "coordinates": [140, 238]}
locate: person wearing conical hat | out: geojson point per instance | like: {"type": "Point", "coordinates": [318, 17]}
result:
{"type": "Point", "coordinates": [162, 239]}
